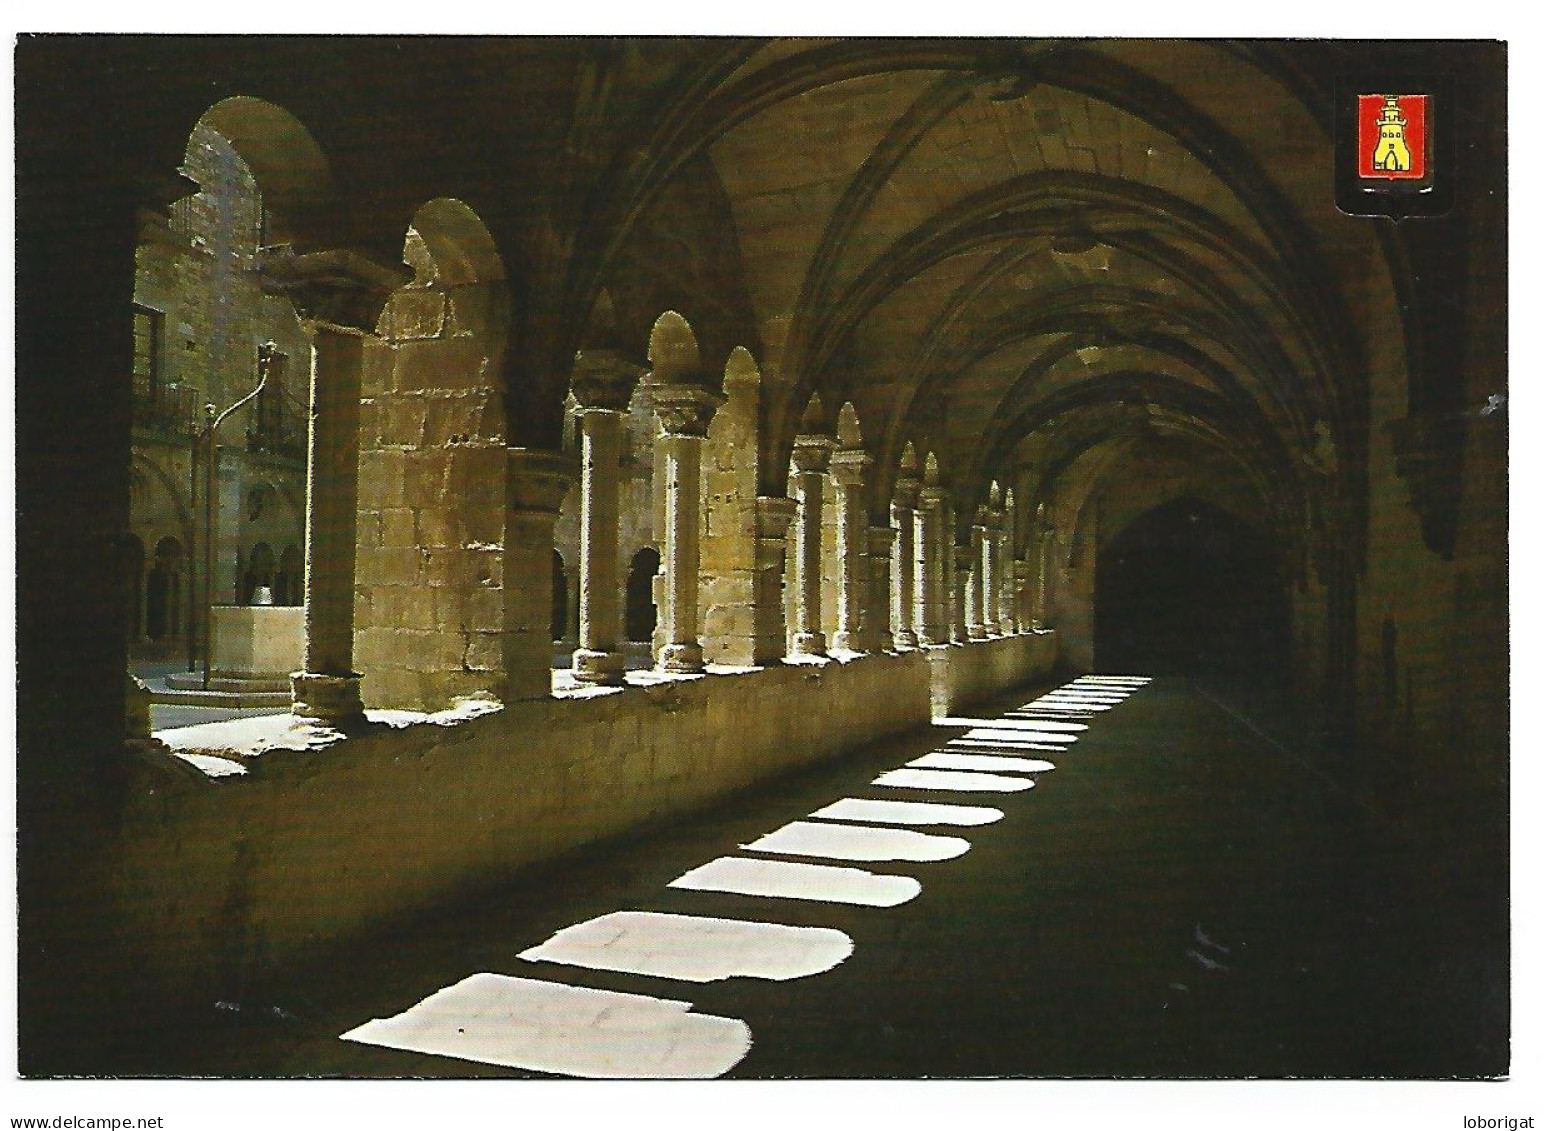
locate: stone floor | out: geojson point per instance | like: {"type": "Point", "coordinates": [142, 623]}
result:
{"type": "Point", "coordinates": [1178, 897]}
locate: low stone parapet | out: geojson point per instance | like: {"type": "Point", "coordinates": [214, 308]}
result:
{"type": "Point", "coordinates": [266, 836]}
{"type": "Point", "coordinates": [260, 839]}
{"type": "Point", "coordinates": [982, 669]}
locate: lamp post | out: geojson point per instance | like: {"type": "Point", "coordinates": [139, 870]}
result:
{"type": "Point", "coordinates": [211, 450]}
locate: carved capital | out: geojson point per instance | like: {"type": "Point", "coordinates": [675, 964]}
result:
{"type": "Point", "coordinates": [774, 514]}
{"type": "Point", "coordinates": [685, 410]}
{"type": "Point", "coordinates": [812, 452]}
{"type": "Point", "coordinates": [933, 498]}
{"type": "Point", "coordinates": [907, 488]}
{"type": "Point", "coordinates": [538, 479]}
{"type": "Point", "coordinates": [881, 539]}
{"type": "Point", "coordinates": [340, 288]}
{"type": "Point", "coordinates": [848, 467]}
{"type": "Point", "coordinates": [604, 379]}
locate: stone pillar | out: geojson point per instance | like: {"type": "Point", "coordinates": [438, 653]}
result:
{"type": "Point", "coordinates": [959, 583]}
{"type": "Point", "coordinates": [603, 382]}
{"type": "Point", "coordinates": [876, 627]}
{"type": "Point", "coordinates": [811, 456]}
{"type": "Point", "coordinates": [1023, 589]}
{"type": "Point", "coordinates": [1007, 609]}
{"type": "Point", "coordinates": [931, 592]}
{"type": "Point", "coordinates": [848, 468]}
{"type": "Point", "coordinates": [534, 488]}
{"type": "Point", "coordinates": [340, 295]}
{"type": "Point", "coordinates": [903, 601]}
{"type": "Point", "coordinates": [685, 411]}
{"type": "Point", "coordinates": [991, 585]}
{"type": "Point", "coordinates": [773, 516]}
{"type": "Point", "coordinates": [978, 593]}
{"type": "Point", "coordinates": [1043, 536]}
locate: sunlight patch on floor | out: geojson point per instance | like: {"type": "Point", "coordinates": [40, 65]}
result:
{"type": "Point", "coordinates": [908, 812]}
{"type": "Point", "coordinates": [1012, 724]}
{"type": "Point", "coordinates": [568, 1030]}
{"type": "Point", "coordinates": [952, 782]}
{"type": "Point", "coordinates": [948, 760]}
{"type": "Point", "coordinates": [1010, 737]}
{"type": "Point", "coordinates": [694, 948]}
{"type": "Point", "coordinates": [781, 879]}
{"type": "Point", "coordinates": [858, 842]}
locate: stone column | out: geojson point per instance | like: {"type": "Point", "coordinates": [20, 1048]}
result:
{"type": "Point", "coordinates": [978, 593]}
{"type": "Point", "coordinates": [811, 456]}
{"type": "Point", "coordinates": [773, 516]}
{"type": "Point", "coordinates": [534, 488]}
{"type": "Point", "coordinates": [991, 585]}
{"type": "Point", "coordinates": [959, 583]}
{"type": "Point", "coordinates": [1043, 534]}
{"type": "Point", "coordinates": [903, 601]}
{"type": "Point", "coordinates": [1023, 589]}
{"type": "Point", "coordinates": [876, 627]}
{"type": "Point", "coordinates": [848, 468]}
{"type": "Point", "coordinates": [685, 411]}
{"type": "Point", "coordinates": [340, 294]}
{"type": "Point", "coordinates": [603, 382]}
{"type": "Point", "coordinates": [932, 594]}
{"type": "Point", "coordinates": [1007, 607]}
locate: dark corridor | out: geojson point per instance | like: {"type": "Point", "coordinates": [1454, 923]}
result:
{"type": "Point", "coordinates": [1188, 589]}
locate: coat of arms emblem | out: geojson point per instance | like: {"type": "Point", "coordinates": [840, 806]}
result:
{"type": "Point", "coordinates": [1392, 136]}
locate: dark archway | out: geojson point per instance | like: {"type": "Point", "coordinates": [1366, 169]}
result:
{"type": "Point", "coordinates": [259, 573]}
{"type": "Point", "coordinates": [289, 583]}
{"type": "Point", "coordinates": [642, 616]}
{"type": "Point", "coordinates": [163, 591]}
{"type": "Point", "coordinates": [1188, 589]}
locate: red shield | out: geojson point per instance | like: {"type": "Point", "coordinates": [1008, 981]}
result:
{"type": "Point", "coordinates": [1392, 133]}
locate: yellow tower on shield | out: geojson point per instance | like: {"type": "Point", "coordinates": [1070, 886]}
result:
{"type": "Point", "coordinates": [1392, 154]}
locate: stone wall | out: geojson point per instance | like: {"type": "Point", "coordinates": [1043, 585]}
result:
{"type": "Point", "coordinates": [729, 475]}
{"type": "Point", "coordinates": [428, 611]}
{"type": "Point", "coordinates": [983, 669]}
{"type": "Point", "coordinates": [286, 837]}
{"type": "Point", "coordinates": [224, 877]}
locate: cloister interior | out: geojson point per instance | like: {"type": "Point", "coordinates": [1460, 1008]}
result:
{"type": "Point", "coordinates": [488, 491]}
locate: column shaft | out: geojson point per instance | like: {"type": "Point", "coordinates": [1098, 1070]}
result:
{"type": "Point", "coordinates": [903, 577]}
{"type": "Point", "coordinates": [808, 639]}
{"type": "Point", "coordinates": [959, 584]}
{"type": "Point", "coordinates": [1042, 580]}
{"type": "Point", "coordinates": [328, 689]}
{"type": "Point", "coordinates": [599, 657]}
{"type": "Point", "coordinates": [931, 589]}
{"type": "Point", "coordinates": [978, 593]}
{"type": "Point", "coordinates": [877, 629]}
{"type": "Point", "coordinates": [853, 584]}
{"type": "Point", "coordinates": [683, 491]}
{"type": "Point", "coordinates": [772, 518]}
{"type": "Point", "coordinates": [534, 489]}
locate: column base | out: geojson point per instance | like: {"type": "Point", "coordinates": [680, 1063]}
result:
{"type": "Point", "coordinates": [322, 698]}
{"type": "Point", "coordinates": [976, 632]}
{"type": "Point", "coordinates": [606, 668]}
{"type": "Point", "coordinates": [808, 644]}
{"type": "Point", "coordinates": [849, 642]}
{"type": "Point", "coordinates": [681, 658]}
{"type": "Point", "coordinates": [905, 640]}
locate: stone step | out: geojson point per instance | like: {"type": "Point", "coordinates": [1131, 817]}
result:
{"type": "Point", "coordinates": [220, 694]}
{"type": "Point", "coordinates": [240, 685]}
